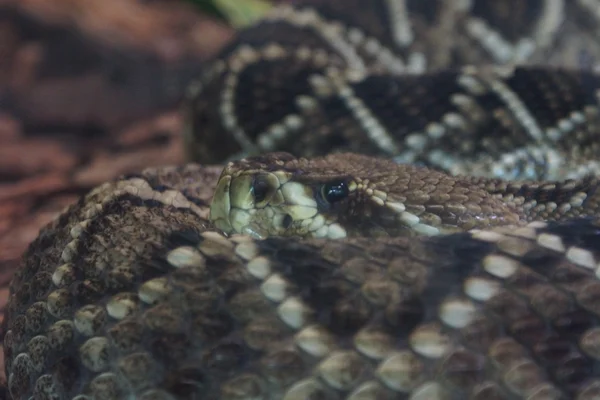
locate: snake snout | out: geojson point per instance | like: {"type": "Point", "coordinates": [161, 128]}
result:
{"type": "Point", "coordinates": [247, 203]}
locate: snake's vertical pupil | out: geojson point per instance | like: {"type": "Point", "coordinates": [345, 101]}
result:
{"type": "Point", "coordinates": [260, 189]}
{"type": "Point", "coordinates": [335, 191]}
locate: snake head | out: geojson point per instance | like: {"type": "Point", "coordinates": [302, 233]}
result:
{"type": "Point", "coordinates": [276, 195]}
{"type": "Point", "coordinates": [343, 195]}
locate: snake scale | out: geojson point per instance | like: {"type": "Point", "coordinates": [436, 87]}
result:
{"type": "Point", "coordinates": [133, 294]}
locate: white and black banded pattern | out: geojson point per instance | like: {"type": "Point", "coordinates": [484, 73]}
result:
{"type": "Point", "coordinates": [323, 76]}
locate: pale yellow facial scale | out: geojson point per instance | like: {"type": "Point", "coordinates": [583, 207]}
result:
{"type": "Point", "coordinates": [284, 205]}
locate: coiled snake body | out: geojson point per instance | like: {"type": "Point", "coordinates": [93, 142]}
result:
{"type": "Point", "coordinates": [133, 294]}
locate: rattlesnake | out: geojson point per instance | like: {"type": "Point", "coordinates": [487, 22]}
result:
{"type": "Point", "coordinates": [132, 293]}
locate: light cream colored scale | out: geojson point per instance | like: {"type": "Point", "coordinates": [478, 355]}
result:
{"type": "Point", "coordinates": [399, 370]}
{"type": "Point", "coordinates": [502, 51]}
{"type": "Point", "coordinates": [234, 209]}
{"type": "Point", "coordinates": [403, 370]}
{"type": "Point", "coordinates": [503, 265]}
{"type": "Point", "coordinates": [540, 152]}
{"type": "Point", "coordinates": [89, 319]}
{"type": "Point", "coordinates": [404, 217]}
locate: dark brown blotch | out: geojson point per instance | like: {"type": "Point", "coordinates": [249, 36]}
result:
{"type": "Point", "coordinates": [508, 306]}
{"type": "Point", "coordinates": [574, 323]}
{"type": "Point", "coordinates": [139, 370]}
{"type": "Point", "coordinates": [283, 366]}
{"type": "Point", "coordinates": [186, 382]}
{"type": "Point", "coordinates": [552, 350]}
{"type": "Point", "coordinates": [481, 333]}
{"type": "Point", "coordinates": [574, 371]}
{"type": "Point", "coordinates": [67, 371]}
{"type": "Point", "coordinates": [164, 318]}
{"type": "Point", "coordinates": [170, 349]}
{"type": "Point", "coordinates": [403, 315]}
{"type": "Point", "coordinates": [347, 316]}
{"type": "Point", "coordinates": [570, 277]}
{"type": "Point", "coordinates": [41, 284]}
{"type": "Point", "coordinates": [126, 336]}
{"type": "Point", "coordinates": [37, 317]}
{"type": "Point", "coordinates": [463, 369]}
{"type": "Point", "coordinates": [589, 297]}
{"type": "Point", "coordinates": [225, 357]}
{"type": "Point", "coordinates": [528, 329]}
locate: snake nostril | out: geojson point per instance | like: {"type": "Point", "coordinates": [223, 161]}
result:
{"type": "Point", "coordinates": [287, 221]}
{"type": "Point", "coordinates": [259, 189]}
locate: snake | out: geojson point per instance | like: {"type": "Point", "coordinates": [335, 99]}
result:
{"type": "Point", "coordinates": [387, 200]}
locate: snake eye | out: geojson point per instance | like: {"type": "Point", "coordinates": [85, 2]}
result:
{"type": "Point", "coordinates": [335, 191]}
{"type": "Point", "coordinates": [259, 189]}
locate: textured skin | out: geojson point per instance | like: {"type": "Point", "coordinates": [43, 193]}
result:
{"type": "Point", "coordinates": [143, 300]}
{"type": "Point", "coordinates": [108, 244]}
{"type": "Point", "coordinates": [383, 198]}
{"type": "Point", "coordinates": [328, 78]}
{"type": "Point", "coordinates": [130, 294]}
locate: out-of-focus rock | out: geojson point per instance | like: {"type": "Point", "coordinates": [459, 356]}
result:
{"type": "Point", "coordinates": [100, 63]}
